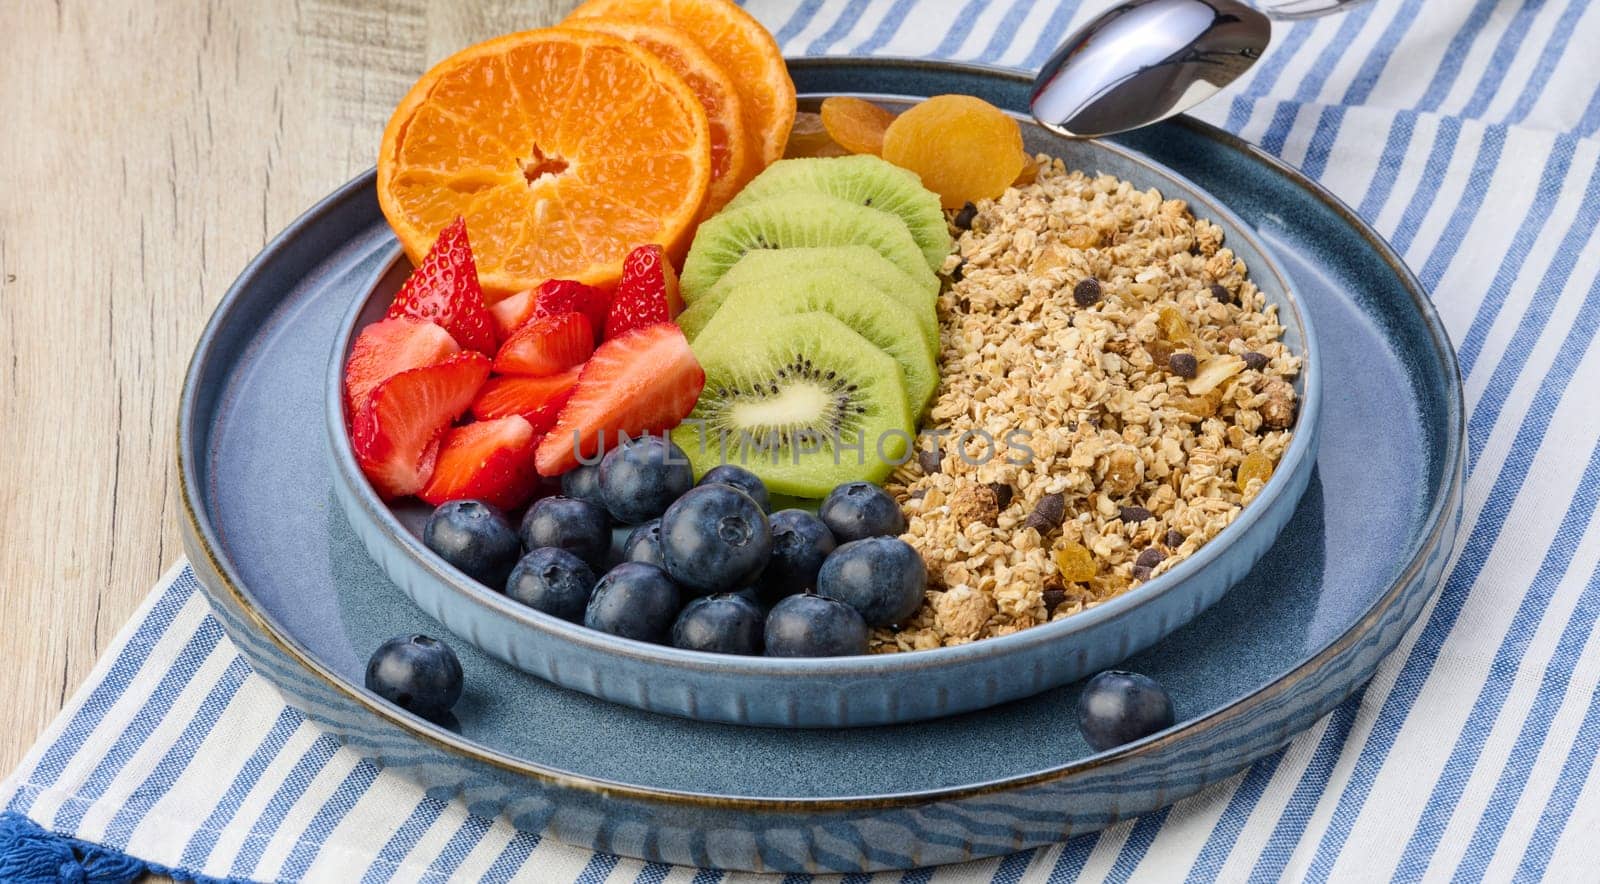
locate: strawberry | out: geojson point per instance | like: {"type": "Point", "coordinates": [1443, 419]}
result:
{"type": "Point", "coordinates": [643, 381]}
{"type": "Point", "coordinates": [647, 294]}
{"type": "Point", "coordinates": [444, 289]}
{"type": "Point", "coordinates": [396, 434]}
{"type": "Point", "coordinates": [537, 400]}
{"type": "Point", "coordinates": [490, 461]}
{"type": "Point", "coordinates": [556, 296]}
{"type": "Point", "coordinates": [388, 347]}
{"type": "Point", "coordinates": [510, 313]}
{"type": "Point", "coordinates": [547, 345]}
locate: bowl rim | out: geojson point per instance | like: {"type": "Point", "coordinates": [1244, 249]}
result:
{"type": "Point", "coordinates": [205, 538]}
{"type": "Point", "coordinates": [1302, 447]}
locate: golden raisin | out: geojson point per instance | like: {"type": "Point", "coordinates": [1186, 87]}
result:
{"type": "Point", "coordinates": [1173, 326]}
{"type": "Point", "coordinates": [856, 125]}
{"type": "Point", "coordinates": [1255, 466]}
{"type": "Point", "coordinates": [809, 139]}
{"type": "Point", "coordinates": [1075, 562]}
{"type": "Point", "coordinates": [964, 149]}
{"type": "Point", "coordinates": [1081, 237]}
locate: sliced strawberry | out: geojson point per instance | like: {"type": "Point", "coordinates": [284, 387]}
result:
{"type": "Point", "coordinates": [547, 345]}
{"type": "Point", "coordinates": [647, 294]}
{"type": "Point", "coordinates": [388, 347]}
{"type": "Point", "coordinates": [444, 289]}
{"type": "Point", "coordinates": [537, 400]}
{"type": "Point", "coordinates": [396, 435]}
{"type": "Point", "coordinates": [558, 296]}
{"type": "Point", "coordinates": [510, 313]}
{"type": "Point", "coordinates": [646, 380]}
{"type": "Point", "coordinates": [490, 461]}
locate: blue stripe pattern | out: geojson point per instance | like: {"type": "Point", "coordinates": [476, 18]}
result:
{"type": "Point", "coordinates": [1465, 133]}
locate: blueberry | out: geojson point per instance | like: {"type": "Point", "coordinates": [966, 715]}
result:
{"type": "Point", "coordinates": [583, 483]}
{"type": "Point", "coordinates": [882, 577]}
{"type": "Point", "coordinates": [633, 600]}
{"type": "Point", "coordinates": [740, 478]}
{"type": "Point", "coordinates": [721, 624]}
{"type": "Point", "coordinates": [640, 477]}
{"type": "Point", "coordinates": [861, 509]}
{"type": "Point", "coordinates": [800, 543]}
{"type": "Point", "coordinates": [714, 539]}
{"type": "Point", "coordinates": [417, 673]}
{"type": "Point", "coordinates": [644, 544]}
{"type": "Point", "coordinates": [577, 526]}
{"type": "Point", "coordinates": [552, 580]}
{"type": "Point", "coordinates": [1120, 707]}
{"type": "Point", "coordinates": [475, 537]}
{"type": "Point", "coordinates": [813, 626]}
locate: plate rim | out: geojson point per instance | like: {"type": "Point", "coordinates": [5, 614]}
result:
{"type": "Point", "coordinates": [204, 537]}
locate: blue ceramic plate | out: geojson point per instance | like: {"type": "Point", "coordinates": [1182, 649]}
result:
{"type": "Point", "coordinates": [1357, 562]}
{"type": "Point", "coordinates": [843, 691]}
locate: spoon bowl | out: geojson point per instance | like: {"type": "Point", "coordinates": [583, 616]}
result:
{"type": "Point", "coordinates": [1145, 60]}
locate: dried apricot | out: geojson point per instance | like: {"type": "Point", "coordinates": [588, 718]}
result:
{"type": "Point", "coordinates": [1255, 466]}
{"type": "Point", "coordinates": [1075, 562]}
{"type": "Point", "coordinates": [965, 149]}
{"type": "Point", "coordinates": [809, 139]}
{"type": "Point", "coordinates": [857, 125]}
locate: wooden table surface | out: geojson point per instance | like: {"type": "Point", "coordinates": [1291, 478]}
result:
{"type": "Point", "coordinates": [150, 148]}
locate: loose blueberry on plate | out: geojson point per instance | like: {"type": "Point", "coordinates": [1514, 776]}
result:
{"type": "Point", "coordinates": [812, 626]}
{"type": "Point", "coordinates": [881, 577]}
{"type": "Point", "coordinates": [644, 544]}
{"type": "Point", "coordinates": [554, 581]}
{"type": "Point", "coordinates": [800, 543]}
{"type": "Point", "coordinates": [583, 483]}
{"type": "Point", "coordinates": [639, 478]}
{"type": "Point", "coordinates": [418, 673]}
{"type": "Point", "coordinates": [740, 478]}
{"type": "Point", "coordinates": [721, 624]}
{"type": "Point", "coordinates": [1120, 707]}
{"type": "Point", "coordinates": [577, 526]}
{"type": "Point", "coordinates": [714, 539]}
{"type": "Point", "coordinates": [633, 600]}
{"type": "Point", "coordinates": [856, 510]}
{"type": "Point", "coordinates": [474, 537]}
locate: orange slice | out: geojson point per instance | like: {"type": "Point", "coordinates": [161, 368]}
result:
{"type": "Point", "coordinates": [563, 149]}
{"type": "Point", "coordinates": [737, 42]}
{"type": "Point", "coordinates": [730, 151]}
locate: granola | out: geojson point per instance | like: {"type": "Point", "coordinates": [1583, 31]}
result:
{"type": "Point", "coordinates": [1107, 368]}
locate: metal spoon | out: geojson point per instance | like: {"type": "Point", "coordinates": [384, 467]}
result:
{"type": "Point", "coordinates": [1145, 60]}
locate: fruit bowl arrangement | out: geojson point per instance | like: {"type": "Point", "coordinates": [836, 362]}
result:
{"type": "Point", "coordinates": [643, 420]}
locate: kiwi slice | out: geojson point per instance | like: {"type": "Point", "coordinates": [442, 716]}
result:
{"type": "Point", "coordinates": [802, 401]}
{"type": "Point", "coordinates": [888, 324]}
{"type": "Point", "coordinates": [866, 181]}
{"type": "Point", "coordinates": [797, 220]}
{"type": "Point", "coordinates": [864, 265]}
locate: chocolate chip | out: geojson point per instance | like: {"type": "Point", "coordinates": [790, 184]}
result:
{"type": "Point", "coordinates": [963, 218]}
{"type": "Point", "coordinates": [1255, 360]}
{"type": "Point", "coordinates": [1087, 292]}
{"type": "Point", "coordinates": [1150, 558]}
{"type": "Point", "coordinates": [1184, 365]}
{"type": "Point", "coordinates": [928, 459]}
{"type": "Point", "coordinates": [1046, 517]}
{"type": "Point", "coordinates": [958, 271]}
{"type": "Point", "coordinates": [1132, 514]}
{"type": "Point", "coordinates": [918, 494]}
{"type": "Point", "coordinates": [1002, 494]}
{"type": "Point", "coordinates": [1140, 572]}
{"type": "Point", "coordinates": [1053, 596]}
{"type": "Point", "coordinates": [1221, 294]}
{"type": "Point", "coordinates": [964, 304]}
{"type": "Point", "coordinates": [1174, 539]}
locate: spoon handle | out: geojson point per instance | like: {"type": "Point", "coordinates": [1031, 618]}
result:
{"type": "Point", "coordinates": [1297, 9]}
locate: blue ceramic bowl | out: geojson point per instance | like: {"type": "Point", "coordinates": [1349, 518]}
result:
{"type": "Point", "coordinates": [846, 691]}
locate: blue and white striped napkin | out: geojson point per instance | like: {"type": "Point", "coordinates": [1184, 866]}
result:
{"type": "Point", "coordinates": [1464, 130]}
